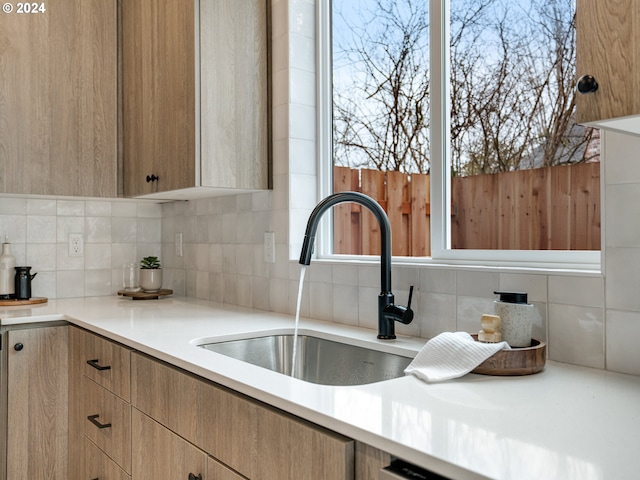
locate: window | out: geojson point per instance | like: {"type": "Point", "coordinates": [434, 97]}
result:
{"type": "Point", "coordinates": [459, 118]}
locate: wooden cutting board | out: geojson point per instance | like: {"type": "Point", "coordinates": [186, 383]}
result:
{"type": "Point", "coordinates": [14, 302]}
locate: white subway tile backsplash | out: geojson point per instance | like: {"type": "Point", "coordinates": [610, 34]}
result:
{"type": "Point", "coordinates": [622, 333]}
{"type": "Point", "coordinates": [622, 272]}
{"type": "Point", "coordinates": [73, 208]}
{"type": "Point", "coordinates": [436, 313]}
{"type": "Point", "coordinates": [65, 225]}
{"type": "Point", "coordinates": [41, 256]}
{"type": "Point", "coordinates": [13, 206]}
{"type": "Point", "coordinates": [124, 229]}
{"type": "Point", "coordinates": [70, 284]}
{"type": "Point", "coordinates": [534, 285]}
{"type": "Point", "coordinates": [437, 280]}
{"type": "Point", "coordinates": [576, 335]}
{"type": "Point", "coordinates": [97, 208]}
{"type": "Point", "coordinates": [36, 206]}
{"type": "Point", "coordinates": [585, 291]}
{"type": "Point", "coordinates": [345, 304]}
{"type": "Point", "coordinates": [15, 228]}
{"type": "Point", "coordinates": [97, 256]}
{"type": "Point", "coordinates": [41, 229]}
{"type": "Point", "coordinates": [97, 229]}
{"type": "Point", "coordinates": [98, 283]}
{"type": "Point", "coordinates": [477, 284]}
{"type": "Point", "coordinates": [622, 230]}
{"type": "Point", "coordinates": [469, 311]}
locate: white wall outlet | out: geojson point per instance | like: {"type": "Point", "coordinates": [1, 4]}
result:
{"type": "Point", "coordinates": [178, 245]}
{"type": "Point", "coordinates": [76, 245]}
{"type": "Point", "coordinates": [269, 247]}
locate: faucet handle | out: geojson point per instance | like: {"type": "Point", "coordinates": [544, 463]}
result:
{"type": "Point", "coordinates": [399, 313]}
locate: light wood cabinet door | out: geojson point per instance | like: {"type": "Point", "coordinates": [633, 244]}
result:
{"type": "Point", "coordinates": [195, 96]}
{"type": "Point", "coordinates": [58, 98]}
{"type": "Point", "coordinates": [159, 95]}
{"type": "Point", "coordinates": [37, 383]}
{"type": "Point", "coordinates": [253, 439]}
{"type": "Point", "coordinates": [235, 93]}
{"type": "Point", "coordinates": [160, 454]}
{"type": "Point", "coordinates": [608, 48]}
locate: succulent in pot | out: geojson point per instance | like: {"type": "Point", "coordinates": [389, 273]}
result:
{"type": "Point", "coordinates": [150, 274]}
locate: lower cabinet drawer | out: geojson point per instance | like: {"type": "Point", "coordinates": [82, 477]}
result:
{"type": "Point", "coordinates": [98, 465]}
{"type": "Point", "coordinates": [107, 422]}
{"type": "Point", "coordinates": [160, 454]}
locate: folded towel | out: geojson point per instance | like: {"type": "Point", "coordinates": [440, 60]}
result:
{"type": "Point", "coordinates": [451, 355]}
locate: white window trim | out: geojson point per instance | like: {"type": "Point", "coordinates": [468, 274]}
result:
{"type": "Point", "coordinates": [441, 252]}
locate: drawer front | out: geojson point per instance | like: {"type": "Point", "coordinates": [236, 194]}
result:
{"type": "Point", "coordinates": [98, 465]}
{"type": "Point", "coordinates": [159, 453]}
{"type": "Point", "coordinates": [107, 422]}
{"type": "Point", "coordinates": [218, 471]}
{"type": "Point", "coordinates": [103, 361]}
{"type": "Point", "coordinates": [254, 440]}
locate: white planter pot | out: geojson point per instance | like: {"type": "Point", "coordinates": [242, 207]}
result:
{"type": "Point", "coordinates": [150, 279]}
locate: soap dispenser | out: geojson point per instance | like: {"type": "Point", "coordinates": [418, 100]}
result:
{"type": "Point", "coordinates": [516, 318]}
{"type": "Point", "coordinates": [7, 272]}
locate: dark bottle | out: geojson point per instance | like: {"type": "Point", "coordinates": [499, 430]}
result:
{"type": "Point", "coordinates": [23, 283]}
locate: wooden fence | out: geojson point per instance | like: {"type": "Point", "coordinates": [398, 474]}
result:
{"type": "Point", "coordinates": [553, 208]}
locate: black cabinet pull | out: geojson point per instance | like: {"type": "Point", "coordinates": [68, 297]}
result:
{"type": "Point", "coordinates": [94, 364]}
{"type": "Point", "coordinates": [152, 178]}
{"type": "Point", "coordinates": [587, 84]}
{"type": "Point", "coordinates": [193, 477]}
{"type": "Point", "coordinates": [18, 346]}
{"type": "Point", "coordinates": [92, 419]}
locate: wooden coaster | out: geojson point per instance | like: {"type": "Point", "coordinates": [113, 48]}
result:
{"type": "Point", "coordinates": [146, 295]}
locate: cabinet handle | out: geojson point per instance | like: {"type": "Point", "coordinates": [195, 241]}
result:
{"type": "Point", "coordinates": [94, 364]}
{"type": "Point", "coordinates": [18, 346]}
{"type": "Point", "coordinates": [152, 178]}
{"type": "Point", "coordinates": [587, 84]}
{"type": "Point", "coordinates": [193, 477]}
{"type": "Point", "coordinates": [92, 419]}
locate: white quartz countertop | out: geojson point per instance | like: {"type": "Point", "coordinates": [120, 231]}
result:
{"type": "Point", "coordinates": [564, 423]}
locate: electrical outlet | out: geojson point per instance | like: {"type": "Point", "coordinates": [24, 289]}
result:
{"type": "Point", "coordinates": [269, 247]}
{"type": "Point", "coordinates": [76, 245]}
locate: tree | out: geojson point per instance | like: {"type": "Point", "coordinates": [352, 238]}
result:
{"type": "Point", "coordinates": [381, 114]}
{"type": "Point", "coordinates": [512, 86]}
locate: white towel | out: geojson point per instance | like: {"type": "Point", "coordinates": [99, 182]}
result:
{"type": "Point", "coordinates": [451, 355]}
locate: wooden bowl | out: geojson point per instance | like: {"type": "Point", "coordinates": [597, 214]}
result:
{"type": "Point", "coordinates": [517, 361]}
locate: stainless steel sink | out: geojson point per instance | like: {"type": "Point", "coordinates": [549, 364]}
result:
{"type": "Point", "coordinates": [318, 360]}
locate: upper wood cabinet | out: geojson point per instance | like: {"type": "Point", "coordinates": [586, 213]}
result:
{"type": "Point", "coordinates": [58, 98]}
{"type": "Point", "coordinates": [195, 97]}
{"type": "Point", "coordinates": [608, 49]}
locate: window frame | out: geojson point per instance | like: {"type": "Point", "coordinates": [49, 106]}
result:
{"type": "Point", "coordinates": [441, 251]}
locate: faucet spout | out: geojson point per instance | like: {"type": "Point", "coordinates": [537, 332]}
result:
{"type": "Point", "coordinates": [388, 312]}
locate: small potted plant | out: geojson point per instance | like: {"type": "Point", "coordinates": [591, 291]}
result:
{"type": "Point", "coordinates": [150, 274]}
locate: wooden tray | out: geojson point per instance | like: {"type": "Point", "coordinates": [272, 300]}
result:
{"type": "Point", "coordinates": [517, 361]}
{"type": "Point", "coordinates": [146, 295]}
{"type": "Point", "coordinates": [14, 302]}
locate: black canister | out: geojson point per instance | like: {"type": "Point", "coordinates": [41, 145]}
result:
{"type": "Point", "coordinates": [23, 283]}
